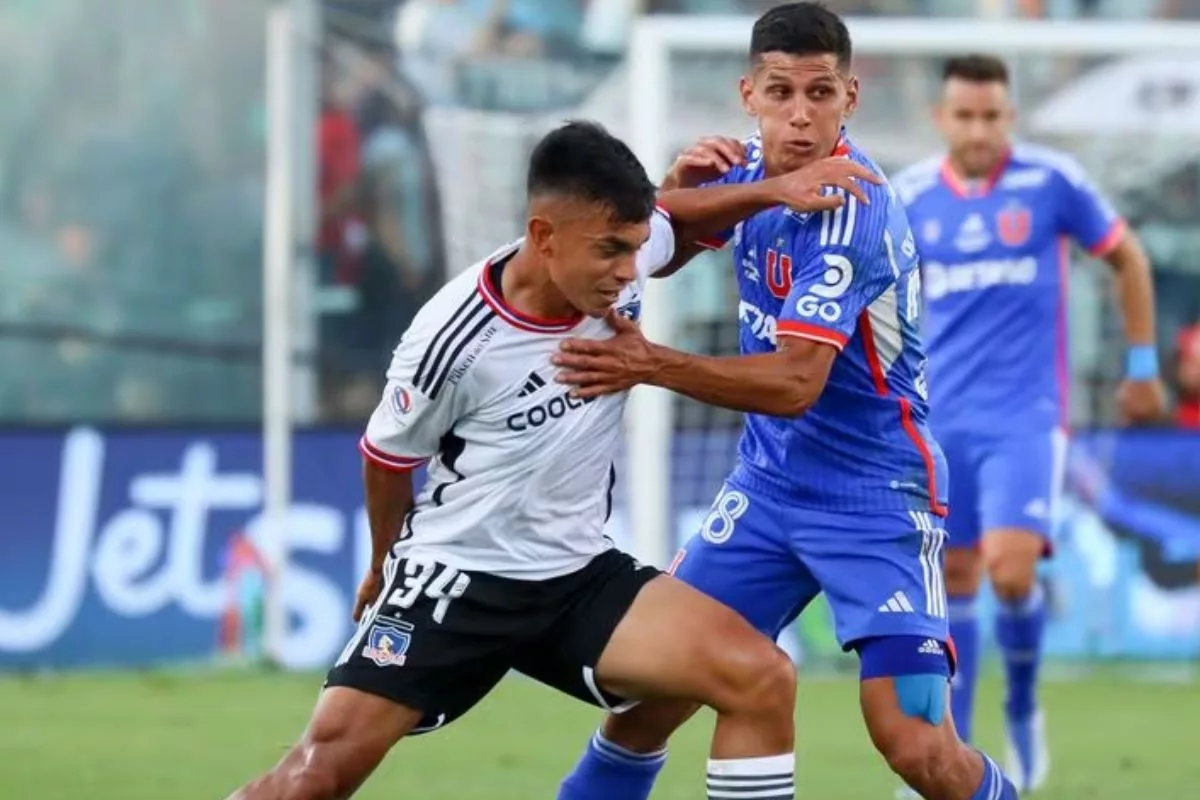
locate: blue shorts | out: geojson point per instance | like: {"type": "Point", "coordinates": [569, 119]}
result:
{"type": "Point", "coordinates": [1009, 481]}
{"type": "Point", "coordinates": [881, 572]}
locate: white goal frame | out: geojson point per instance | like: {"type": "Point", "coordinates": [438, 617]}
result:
{"type": "Point", "coordinates": [650, 423]}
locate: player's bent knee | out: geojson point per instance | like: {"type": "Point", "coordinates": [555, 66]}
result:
{"type": "Point", "coordinates": [758, 677]}
{"type": "Point", "coordinates": [1012, 557]}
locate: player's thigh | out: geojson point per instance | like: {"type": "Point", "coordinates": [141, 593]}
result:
{"type": "Point", "coordinates": [590, 605]}
{"type": "Point", "coordinates": [633, 634]}
{"type": "Point", "coordinates": [742, 557]}
{"type": "Point", "coordinates": [882, 572]}
{"type": "Point", "coordinates": [1022, 475]}
{"type": "Point", "coordinates": [421, 648]}
{"type": "Point", "coordinates": [964, 562]}
{"type": "Point", "coordinates": [567, 657]}
{"type": "Point", "coordinates": [679, 644]}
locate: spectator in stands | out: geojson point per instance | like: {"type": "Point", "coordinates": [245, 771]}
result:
{"type": "Point", "coordinates": [436, 36]}
{"type": "Point", "coordinates": [1188, 376]}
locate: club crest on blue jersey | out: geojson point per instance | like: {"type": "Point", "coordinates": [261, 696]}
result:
{"type": "Point", "coordinates": [1013, 224]}
{"type": "Point", "coordinates": [387, 642]}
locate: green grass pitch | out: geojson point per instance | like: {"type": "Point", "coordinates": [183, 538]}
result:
{"type": "Point", "coordinates": [198, 735]}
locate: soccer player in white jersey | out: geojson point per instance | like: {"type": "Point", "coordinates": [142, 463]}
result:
{"type": "Point", "coordinates": [994, 221]}
{"type": "Point", "coordinates": [501, 562]}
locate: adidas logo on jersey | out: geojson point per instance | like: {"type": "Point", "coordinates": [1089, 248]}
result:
{"type": "Point", "coordinates": [531, 385]}
{"type": "Point", "coordinates": [931, 647]}
{"type": "Point", "coordinates": [897, 604]}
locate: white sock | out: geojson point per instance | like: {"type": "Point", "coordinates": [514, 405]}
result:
{"type": "Point", "coordinates": [763, 778]}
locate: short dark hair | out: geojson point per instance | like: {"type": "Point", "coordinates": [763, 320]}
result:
{"type": "Point", "coordinates": [584, 161]}
{"type": "Point", "coordinates": [801, 29]}
{"type": "Point", "coordinates": [975, 68]}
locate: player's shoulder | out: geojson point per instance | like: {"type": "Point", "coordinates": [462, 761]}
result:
{"type": "Point", "coordinates": [917, 180]}
{"type": "Point", "coordinates": [457, 298]}
{"type": "Point", "coordinates": [1031, 161]}
{"type": "Point", "coordinates": [448, 333]}
{"type": "Point", "coordinates": [751, 168]}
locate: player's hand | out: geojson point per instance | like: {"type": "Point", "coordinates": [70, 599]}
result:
{"type": "Point", "coordinates": [598, 367]}
{"type": "Point", "coordinates": [804, 189]}
{"type": "Point", "coordinates": [368, 592]}
{"type": "Point", "coordinates": [706, 160]}
{"type": "Point", "coordinates": [1141, 402]}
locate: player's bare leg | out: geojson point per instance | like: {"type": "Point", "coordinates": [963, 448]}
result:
{"type": "Point", "coordinates": [349, 734]}
{"type": "Point", "coordinates": [685, 649]}
{"type": "Point", "coordinates": [1011, 556]}
{"type": "Point", "coordinates": [910, 729]}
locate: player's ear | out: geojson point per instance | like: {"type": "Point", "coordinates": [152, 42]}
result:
{"type": "Point", "coordinates": [539, 232]}
{"type": "Point", "coordinates": [746, 89]}
{"type": "Point", "coordinates": [852, 90]}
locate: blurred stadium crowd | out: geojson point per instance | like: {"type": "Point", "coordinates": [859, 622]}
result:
{"type": "Point", "coordinates": [132, 179]}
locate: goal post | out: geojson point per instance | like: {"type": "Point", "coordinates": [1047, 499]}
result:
{"type": "Point", "coordinates": [660, 122]}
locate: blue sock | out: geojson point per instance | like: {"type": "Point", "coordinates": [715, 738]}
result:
{"type": "Point", "coordinates": [1019, 633]}
{"type": "Point", "coordinates": [964, 630]}
{"type": "Point", "coordinates": [994, 786]}
{"type": "Point", "coordinates": [608, 771]}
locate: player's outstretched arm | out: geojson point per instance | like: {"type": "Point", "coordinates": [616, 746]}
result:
{"type": "Point", "coordinates": [783, 383]}
{"type": "Point", "coordinates": [700, 213]}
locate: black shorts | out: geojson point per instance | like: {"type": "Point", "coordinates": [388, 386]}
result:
{"type": "Point", "coordinates": [438, 640]}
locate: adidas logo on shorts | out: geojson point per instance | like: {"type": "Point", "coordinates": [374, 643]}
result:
{"type": "Point", "coordinates": [931, 647]}
{"type": "Point", "coordinates": [897, 604]}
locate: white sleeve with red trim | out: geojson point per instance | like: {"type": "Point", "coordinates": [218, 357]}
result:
{"type": "Point", "coordinates": [420, 402]}
{"type": "Point", "coordinates": [840, 266]}
{"type": "Point", "coordinates": [659, 249]}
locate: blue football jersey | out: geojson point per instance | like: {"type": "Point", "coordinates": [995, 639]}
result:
{"type": "Point", "coordinates": [848, 278]}
{"type": "Point", "coordinates": [994, 266]}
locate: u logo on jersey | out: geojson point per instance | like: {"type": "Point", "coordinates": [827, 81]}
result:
{"type": "Point", "coordinates": [1013, 224]}
{"type": "Point", "coordinates": [779, 273]}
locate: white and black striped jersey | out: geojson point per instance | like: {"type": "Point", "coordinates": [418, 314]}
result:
{"type": "Point", "coordinates": [520, 474]}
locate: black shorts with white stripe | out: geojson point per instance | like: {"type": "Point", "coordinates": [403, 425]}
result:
{"type": "Point", "coordinates": [438, 640]}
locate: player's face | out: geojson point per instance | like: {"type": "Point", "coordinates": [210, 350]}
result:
{"type": "Point", "coordinates": [801, 103]}
{"type": "Point", "coordinates": [975, 119]}
{"type": "Point", "coordinates": [590, 256]}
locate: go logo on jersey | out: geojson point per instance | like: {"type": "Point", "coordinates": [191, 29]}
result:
{"type": "Point", "coordinates": [821, 299]}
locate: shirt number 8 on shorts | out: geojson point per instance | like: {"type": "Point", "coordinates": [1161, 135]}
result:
{"type": "Point", "coordinates": [726, 511]}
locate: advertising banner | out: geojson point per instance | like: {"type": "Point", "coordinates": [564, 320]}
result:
{"type": "Point", "coordinates": [132, 547]}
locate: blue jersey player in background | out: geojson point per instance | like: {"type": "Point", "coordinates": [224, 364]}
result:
{"type": "Point", "coordinates": [839, 486]}
{"type": "Point", "coordinates": [994, 222]}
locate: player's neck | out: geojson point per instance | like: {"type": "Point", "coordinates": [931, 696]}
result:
{"type": "Point", "coordinates": [968, 176]}
{"type": "Point", "coordinates": [527, 288]}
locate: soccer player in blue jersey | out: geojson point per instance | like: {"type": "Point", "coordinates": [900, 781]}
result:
{"type": "Point", "coordinates": [839, 487]}
{"type": "Point", "coordinates": [994, 221]}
